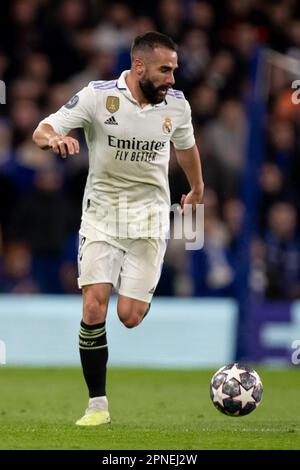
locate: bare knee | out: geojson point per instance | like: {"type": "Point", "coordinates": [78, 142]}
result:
{"type": "Point", "coordinates": [94, 308]}
{"type": "Point", "coordinates": [131, 321]}
{"type": "Point", "coordinates": [127, 315]}
{"type": "Point", "coordinates": [130, 317]}
{"type": "Point", "coordinates": [131, 311]}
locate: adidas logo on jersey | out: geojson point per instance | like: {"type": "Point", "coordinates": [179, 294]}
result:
{"type": "Point", "coordinates": [111, 120]}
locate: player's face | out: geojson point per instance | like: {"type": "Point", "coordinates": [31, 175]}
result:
{"type": "Point", "coordinates": [158, 74]}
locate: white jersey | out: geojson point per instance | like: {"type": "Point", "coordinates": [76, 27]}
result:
{"type": "Point", "coordinates": [129, 148]}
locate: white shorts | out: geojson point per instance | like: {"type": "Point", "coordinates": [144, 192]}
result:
{"type": "Point", "coordinates": [133, 267]}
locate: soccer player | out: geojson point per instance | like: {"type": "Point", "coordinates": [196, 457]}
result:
{"type": "Point", "coordinates": [128, 124]}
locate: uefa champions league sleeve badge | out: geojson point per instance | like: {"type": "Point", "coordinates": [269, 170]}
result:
{"type": "Point", "coordinates": [72, 102]}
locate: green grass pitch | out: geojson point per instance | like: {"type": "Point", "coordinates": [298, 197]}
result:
{"type": "Point", "coordinates": [150, 409]}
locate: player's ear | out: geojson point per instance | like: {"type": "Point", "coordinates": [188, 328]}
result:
{"type": "Point", "coordinates": [139, 66]}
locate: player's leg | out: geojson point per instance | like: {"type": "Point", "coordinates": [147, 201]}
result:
{"type": "Point", "coordinates": [140, 274]}
{"type": "Point", "coordinates": [94, 351]}
{"type": "Point", "coordinates": [99, 269]}
{"type": "Point", "coordinates": [132, 311]}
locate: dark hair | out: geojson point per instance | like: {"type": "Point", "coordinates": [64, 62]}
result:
{"type": "Point", "coordinates": [151, 40]}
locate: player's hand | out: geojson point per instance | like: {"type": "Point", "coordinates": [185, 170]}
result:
{"type": "Point", "coordinates": [63, 146]}
{"type": "Point", "coordinates": [189, 201]}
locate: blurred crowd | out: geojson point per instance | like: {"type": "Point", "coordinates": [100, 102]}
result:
{"type": "Point", "coordinates": [51, 49]}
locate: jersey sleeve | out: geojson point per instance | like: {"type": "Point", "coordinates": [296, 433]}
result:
{"type": "Point", "coordinates": [183, 136]}
{"type": "Point", "coordinates": [77, 112]}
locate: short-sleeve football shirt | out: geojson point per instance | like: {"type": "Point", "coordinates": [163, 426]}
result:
{"type": "Point", "coordinates": [127, 190]}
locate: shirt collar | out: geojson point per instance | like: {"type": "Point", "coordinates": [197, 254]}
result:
{"type": "Point", "coordinates": [122, 86]}
{"type": "Point", "coordinates": [121, 83]}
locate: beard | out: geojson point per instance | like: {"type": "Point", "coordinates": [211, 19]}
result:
{"type": "Point", "coordinates": [152, 93]}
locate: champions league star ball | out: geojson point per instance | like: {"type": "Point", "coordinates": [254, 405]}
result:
{"type": "Point", "coordinates": [236, 390]}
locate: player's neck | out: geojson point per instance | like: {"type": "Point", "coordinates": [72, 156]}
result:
{"type": "Point", "coordinates": [135, 90]}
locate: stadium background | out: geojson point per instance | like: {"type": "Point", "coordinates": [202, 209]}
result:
{"type": "Point", "coordinates": [247, 129]}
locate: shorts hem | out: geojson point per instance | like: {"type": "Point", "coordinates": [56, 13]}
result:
{"type": "Point", "coordinates": [97, 281]}
{"type": "Point", "coordinates": [146, 298]}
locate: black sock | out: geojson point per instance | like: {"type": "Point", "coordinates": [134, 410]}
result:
{"type": "Point", "coordinates": [94, 355]}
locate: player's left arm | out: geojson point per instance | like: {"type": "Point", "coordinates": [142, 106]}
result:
{"type": "Point", "coordinates": [189, 160]}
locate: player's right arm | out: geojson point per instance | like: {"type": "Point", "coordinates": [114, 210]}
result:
{"type": "Point", "coordinates": [46, 138]}
{"type": "Point", "coordinates": [52, 132]}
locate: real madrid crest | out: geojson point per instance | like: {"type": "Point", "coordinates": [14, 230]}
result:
{"type": "Point", "coordinates": [167, 125]}
{"type": "Point", "coordinates": [112, 104]}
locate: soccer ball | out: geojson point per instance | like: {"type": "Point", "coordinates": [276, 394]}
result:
{"type": "Point", "coordinates": [236, 390]}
